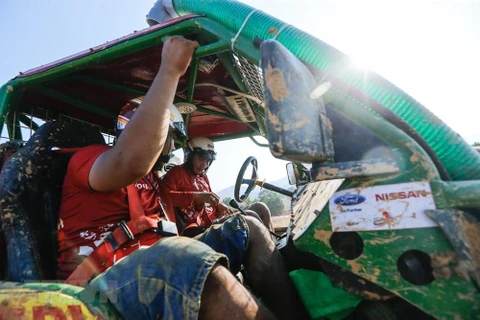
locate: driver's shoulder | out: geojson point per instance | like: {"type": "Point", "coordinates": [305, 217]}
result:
{"type": "Point", "coordinates": [81, 162]}
{"type": "Point", "coordinates": [91, 150]}
{"type": "Point", "coordinates": [175, 172]}
{"type": "Point", "coordinates": [86, 154]}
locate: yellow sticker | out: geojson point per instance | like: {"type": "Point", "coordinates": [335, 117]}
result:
{"type": "Point", "coordinates": [30, 304]}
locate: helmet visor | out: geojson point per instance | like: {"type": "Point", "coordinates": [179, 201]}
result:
{"type": "Point", "coordinates": [180, 129]}
{"type": "Point", "coordinates": [205, 154]}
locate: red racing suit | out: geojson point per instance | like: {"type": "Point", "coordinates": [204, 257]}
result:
{"type": "Point", "coordinates": [182, 184]}
{"type": "Point", "coordinates": [86, 216]}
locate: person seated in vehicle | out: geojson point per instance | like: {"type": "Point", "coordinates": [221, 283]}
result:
{"type": "Point", "coordinates": [189, 189]}
{"type": "Point", "coordinates": [113, 212]}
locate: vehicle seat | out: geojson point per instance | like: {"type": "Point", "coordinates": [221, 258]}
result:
{"type": "Point", "coordinates": [7, 149]}
{"type": "Point", "coordinates": [30, 193]}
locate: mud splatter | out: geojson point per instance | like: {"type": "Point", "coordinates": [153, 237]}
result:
{"type": "Point", "coordinates": [414, 158]}
{"type": "Point", "coordinates": [28, 169]}
{"type": "Point", "coordinates": [373, 295]}
{"type": "Point", "coordinates": [465, 297]}
{"type": "Point", "coordinates": [443, 258]}
{"type": "Point", "coordinates": [275, 122]}
{"type": "Point", "coordinates": [323, 236]}
{"type": "Point", "coordinates": [370, 182]}
{"type": "Point", "coordinates": [272, 30]}
{"type": "Point", "coordinates": [352, 172]}
{"type": "Point", "coordinates": [301, 122]}
{"type": "Point", "coordinates": [472, 232]}
{"type": "Point", "coordinates": [327, 123]}
{"type": "Point", "coordinates": [276, 83]}
{"type": "Point", "coordinates": [397, 277]}
{"type": "Point", "coordinates": [446, 264]}
{"type": "Point", "coordinates": [377, 241]}
{"type": "Point", "coordinates": [374, 277]}
{"type": "Point", "coordinates": [326, 172]}
{"type": "Point", "coordinates": [355, 266]}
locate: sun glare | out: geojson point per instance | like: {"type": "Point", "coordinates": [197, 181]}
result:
{"type": "Point", "coordinates": [361, 63]}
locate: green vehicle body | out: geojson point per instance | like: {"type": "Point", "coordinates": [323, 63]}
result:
{"type": "Point", "coordinates": [378, 263]}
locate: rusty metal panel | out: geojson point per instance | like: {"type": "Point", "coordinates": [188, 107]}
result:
{"type": "Point", "coordinates": [311, 202]}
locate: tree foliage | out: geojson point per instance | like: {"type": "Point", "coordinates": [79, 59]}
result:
{"type": "Point", "coordinates": [226, 200]}
{"type": "Point", "coordinates": [273, 200]}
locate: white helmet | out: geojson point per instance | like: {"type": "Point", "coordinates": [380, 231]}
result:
{"type": "Point", "coordinates": [176, 119]}
{"type": "Point", "coordinates": [176, 122]}
{"type": "Point", "coordinates": [202, 146]}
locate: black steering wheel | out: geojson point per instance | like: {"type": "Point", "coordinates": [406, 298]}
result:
{"type": "Point", "coordinates": [250, 182]}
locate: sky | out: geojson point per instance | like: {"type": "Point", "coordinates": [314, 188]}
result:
{"type": "Point", "coordinates": [430, 49]}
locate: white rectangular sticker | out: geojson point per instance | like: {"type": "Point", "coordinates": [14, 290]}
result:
{"type": "Point", "coordinates": [396, 206]}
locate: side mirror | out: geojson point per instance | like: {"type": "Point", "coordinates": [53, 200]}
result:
{"type": "Point", "coordinates": [298, 174]}
{"type": "Point", "coordinates": [292, 178]}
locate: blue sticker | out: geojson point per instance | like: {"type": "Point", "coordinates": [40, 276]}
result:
{"type": "Point", "coordinates": [349, 199]}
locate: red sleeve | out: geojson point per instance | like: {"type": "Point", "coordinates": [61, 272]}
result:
{"type": "Point", "coordinates": [81, 163]}
{"type": "Point", "coordinates": [176, 181]}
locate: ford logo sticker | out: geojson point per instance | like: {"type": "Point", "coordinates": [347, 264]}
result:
{"type": "Point", "coordinates": [349, 199]}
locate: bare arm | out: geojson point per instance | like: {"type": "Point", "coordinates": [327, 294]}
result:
{"type": "Point", "coordinates": [142, 140]}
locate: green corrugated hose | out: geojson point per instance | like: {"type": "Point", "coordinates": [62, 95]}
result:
{"type": "Point", "coordinates": [460, 160]}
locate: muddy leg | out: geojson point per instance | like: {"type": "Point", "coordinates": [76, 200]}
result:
{"type": "Point", "coordinates": [263, 212]}
{"type": "Point", "coordinates": [268, 276]}
{"type": "Point", "coordinates": [223, 297]}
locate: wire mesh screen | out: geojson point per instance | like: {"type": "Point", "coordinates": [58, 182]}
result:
{"type": "Point", "coordinates": [252, 76]}
{"type": "Point", "coordinates": [20, 126]}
